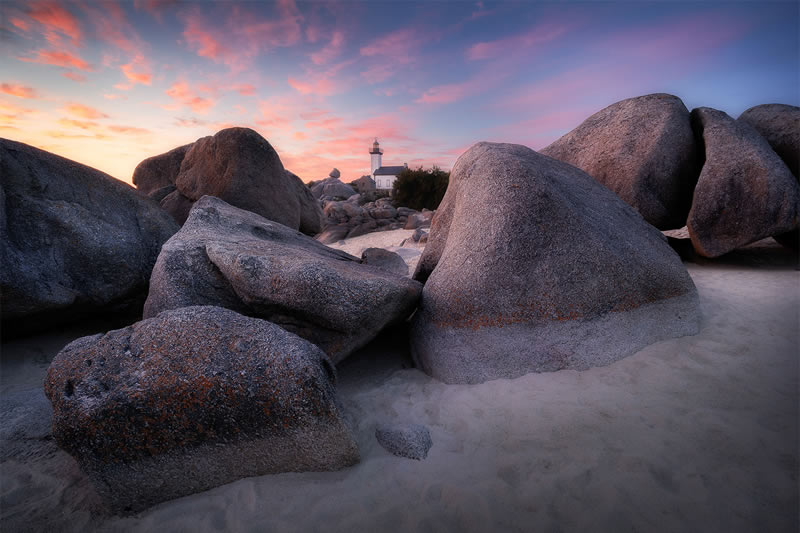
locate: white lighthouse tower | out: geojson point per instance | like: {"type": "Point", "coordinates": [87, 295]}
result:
{"type": "Point", "coordinates": [375, 158]}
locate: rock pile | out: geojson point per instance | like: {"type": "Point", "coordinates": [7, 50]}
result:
{"type": "Point", "coordinates": [237, 165]}
{"type": "Point", "coordinates": [346, 219]}
{"type": "Point", "coordinates": [232, 258]}
{"type": "Point", "coordinates": [73, 240]}
{"type": "Point", "coordinates": [332, 188]}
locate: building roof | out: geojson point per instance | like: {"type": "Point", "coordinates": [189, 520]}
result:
{"type": "Point", "coordinates": [389, 171]}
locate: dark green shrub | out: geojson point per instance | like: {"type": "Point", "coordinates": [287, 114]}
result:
{"type": "Point", "coordinates": [419, 188]}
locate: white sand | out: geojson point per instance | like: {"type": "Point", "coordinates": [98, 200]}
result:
{"type": "Point", "coordinates": [691, 434]}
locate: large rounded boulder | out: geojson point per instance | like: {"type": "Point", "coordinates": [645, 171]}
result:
{"type": "Point", "coordinates": [73, 240]}
{"type": "Point", "coordinates": [311, 217]}
{"type": "Point", "coordinates": [537, 267]}
{"type": "Point", "coordinates": [239, 166]}
{"type": "Point", "coordinates": [233, 258]}
{"type": "Point", "coordinates": [779, 124]}
{"type": "Point", "coordinates": [644, 150]}
{"type": "Point", "coordinates": [192, 399]}
{"type": "Point", "coordinates": [745, 192]}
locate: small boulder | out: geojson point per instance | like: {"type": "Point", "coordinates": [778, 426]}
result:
{"type": "Point", "coordinates": [235, 259]}
{"type": "Point", "coordinates": [385, 260]}
{"type": "Point", "coordinates": [537, 267]}
{"type": "Point", "coordinates": [779, 124]}
{"type": "Point", "coordinates": [191, 399]}
{"type": "Point", "coordinates": [412, 441]}
{"type": "Point", "coordinates": [73, 240]}
{"type": "Point", "coordinates": [644, 150]}
{"type": "Point", "coordinates": [335, 173]}
{"type": "Point", "coordinates": [332, 188]}
{"type": "Point", "coordinates": [160, 170]}
{"type": "Point", "coordinates": [364, 184]}
{"type": "Point", "coordinates": [745, 192]}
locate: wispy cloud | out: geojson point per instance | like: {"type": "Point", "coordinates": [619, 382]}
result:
{"type": "Point", "coordinates": [184, 95]}
{"type": "Point", "coordinates": [83, 111]}
{"type": "Point", "coordinates": [56, 21]}
{"type": "Point", "coordinates": [396, 49]}
{"type": "Point", "coordinates": [59, 59]}
{"type": "Point", "coordinates": [74, 76]}
{"type": "Point", "coordinates": [18, 90]}
{"type": "Point", "coordinates": [329, 51]}
{"type": "Point", "coordinates": [522, 43]}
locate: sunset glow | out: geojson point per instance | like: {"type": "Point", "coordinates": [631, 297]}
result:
{"type": "Point", "coordinates": [111, 83]}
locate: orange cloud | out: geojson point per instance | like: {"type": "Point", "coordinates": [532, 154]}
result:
{"type": "Point", "coordinates": [82, 111]}
{"type": "Point", "coordinates": [129, 130]}
{"type": "Point", "coordinates": [58, 59]}
{"type": "Point", "coordinates": [74, 76]}
{"type": "Point", "coordinates": [21, 24]}
{"type": "Point", "coordinates": [143, 77]}
{"type": "Point", "coordinates": [115, 97]}
{"type": "Point", "coordinates": [183, 95]}
{"type": "Point", "coordinates": [11, 112]}
{"type": "Point", "coordinates": [20, 91]}
{"type": "Point", "coordinates": [82, 124]}
{"type": "Point", "coordinates": [56, 19]}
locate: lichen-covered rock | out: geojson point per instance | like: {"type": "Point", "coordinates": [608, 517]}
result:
{"type": "Point", "coordinates": [73, 240]}
{"type": "Point", "coordinates": [235, 259]}
{"type": "Point", "coordinates": [745, 192]}
{"type": "Point", "coordinates": [160, 170]}
{"type": "Point", "coordinates": [644, 150]}
{"type": "Point", "coordinates": [537, 267]}
{"type": "Point", "coordinates": [779, 124]}
{"type": "Point", "coordinates": [412, 441]}
{"type": "Point", "coordinates": [192, 399]}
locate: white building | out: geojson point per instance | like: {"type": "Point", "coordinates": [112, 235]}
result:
{"type": "Point", "coordinates": [384, 176]}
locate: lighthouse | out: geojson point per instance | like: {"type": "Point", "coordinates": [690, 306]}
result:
{"type": "Point", "coordinates": [384, 176]}
{"type": "Point", "coordinates": [375, 158]}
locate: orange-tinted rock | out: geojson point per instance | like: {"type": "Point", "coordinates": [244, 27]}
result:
{"type": "Point", "coordinates": [192, 399]}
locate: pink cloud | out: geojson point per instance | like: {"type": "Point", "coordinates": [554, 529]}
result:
{"type": "Point", "coordinates": [83, 111]}
{"type": "Point", "coordinates": [316, 85]}
{"type": "Point", "coordinates": [398, 48]}
{"type": "Point", "coordinates": [21, 24]}
{"type": "Point", "coordinates": [115, 97]}
{"type": "Point", "coordinates": [74, 76]}
{"type": "Point", "coordinates": [183, 95]}
{"type": "Point", "coordinates": [516, 44]}
{"type": "Point", "coordinates": [55, 19]}
{"type": "Point", "coordinates": [330, 51]}
{"type": "Point", "coordinates": [58, 59]}
{"type": "Point", "coordinates": [243, 35]}
{"type": "Point", "coordinates": [245, 89]}
{"type": "Point", "coordinates": [128, 130]}
{"type": "Point", "coordinates": [20, 91]}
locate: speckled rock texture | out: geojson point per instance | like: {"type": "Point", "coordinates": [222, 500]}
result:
{"type": "Point", "coordinates": [745, 192]}
{"type": "Point", "coordinates": [73, 240]}
{"type": "Point", "coordinates": [541, 268]}
{"type": "Point", "coordinates": [386, 260]}
{"type": "Point", "coordinates": [779, 124]}
{"type": "Point", "coordinates": [192, 399]}
{"type": "Point", "coordinates": [412, 441]}
{"type": "Point", "coordinates": [644, 150]}
{"type": "Point", "coordinates": [160, 170]}
{"type": "Point", "coordinates": [239, 166]}
{"type": "Point", "coordinates": [236, 259]}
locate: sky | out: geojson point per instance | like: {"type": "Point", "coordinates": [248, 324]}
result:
{"type": "Point", "coordinates": [109, 84]}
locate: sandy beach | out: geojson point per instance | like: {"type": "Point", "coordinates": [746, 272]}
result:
{"type": "Point", "coordinates": [692, 434]}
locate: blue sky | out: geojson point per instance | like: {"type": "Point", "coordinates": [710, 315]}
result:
{"type": "Point", "coordinates": [111, 83]}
